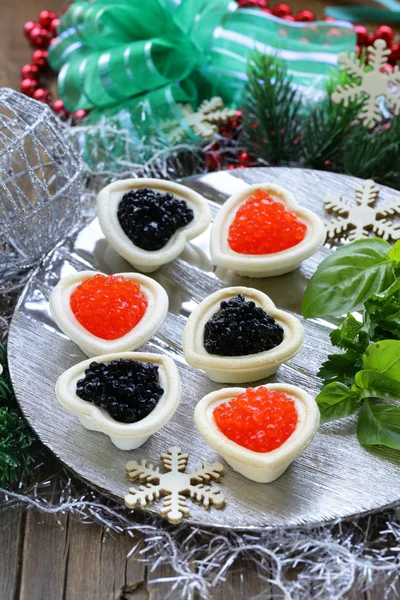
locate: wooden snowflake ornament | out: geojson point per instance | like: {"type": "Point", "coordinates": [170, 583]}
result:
{"type": "Point", "coordinates": [374, 82]}
{"type": "Point", "coordinates": [357, 222]}
{"type": "Point", "coordinates": [208, 116]}
{"type": "Point", "coordinates": [175, 484]}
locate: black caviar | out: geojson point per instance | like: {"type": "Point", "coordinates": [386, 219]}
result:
{"type": "Point", "coordinates": [239, 328]}
{"type": "Point", "coordinates": [128, 389]}
{"type": "Point", "coordinates": [150, 219]}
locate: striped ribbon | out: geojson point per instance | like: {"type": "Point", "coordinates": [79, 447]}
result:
{"type": "Point", "coordinates": [116, 56]}
{"type": "Point", "coordinates": [390, 13]}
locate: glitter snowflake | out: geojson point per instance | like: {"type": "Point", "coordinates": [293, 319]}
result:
{"type": "Point", "coordinates": [175, 484]}
{"type": "Point", "coordinates": [356, 222]}
{"type": "Point", "coordinates": [375, 81]}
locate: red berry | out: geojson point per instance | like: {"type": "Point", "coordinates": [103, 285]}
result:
{"type": "Point", "coordinates": [267, 10]}
{"type": "Point", "coordinates": [29, 25]}
{"type": "Point", "coordinates": [46, 17]}
{"type": "Point", "coordinates": [245, 159]}
{"type": "Point", "coordinates": [281, 10]}
{"type": "Point", "coordinates": [395, 56]}
{"type": "Point", "coordinates": [43, 95]}
{"type": "Point", "coordinates": [371, 39]}
{"type": "Point", "coordinates": [59, 109]}
{"type": "Point", "coordinates": [289, 18]}
{"type": "Point", "coordinates": [329, 19]}
{"type": "Point", "coordinates": [28, 86]}
{"type": "Point", "coordinates": [58, 105]}
{"type": "Point", "coordinates": [384, 32]}
{"type": "Point", "coordinates": [29, 72]}
{"type": "Point", "coordinates": [239, 114]}
{"type": "Point", "coordinates": [305, 16]}
{"type": "Point", "coordinates": [80, 114]}
{"type": "Point", "coordinates": [39, 58]}
{"type": "Point", "coordinates": [362, 35]}
{"type": "Point", "coordinates": [387, 69]}
{"type": "Point", "coordinates": [213, 161]}
{"type": "Point", "coordinates": [39, 37]}
{"type": "Point", "coordinates": [54, 26]}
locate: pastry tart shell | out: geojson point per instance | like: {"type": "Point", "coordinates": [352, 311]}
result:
{"type": "Point", "coordinates": [262, 467]}
{"type": "Point", "coordinates": [90, 344]}
{"type": "Point", "coordinates": [264, 265]}
{"type": "Point", "coordinates": [148, 261]}
{"type": "Point", "coordinates": [250, 367]}
{"type": "Point", "coordinates": [126, 436]}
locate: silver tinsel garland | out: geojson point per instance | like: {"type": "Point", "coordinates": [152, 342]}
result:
{"type": "Point", "coordinates": [325, 563]}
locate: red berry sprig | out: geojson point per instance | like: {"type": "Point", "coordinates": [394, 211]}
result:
{"type": "Point", "coordinates": [41, 34]}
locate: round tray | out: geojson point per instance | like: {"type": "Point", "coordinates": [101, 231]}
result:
{"type": "Point", "coordinates": [334, 478]}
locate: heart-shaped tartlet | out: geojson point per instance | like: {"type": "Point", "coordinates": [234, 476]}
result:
{"type": "Point", "coordinates": [262, 232]}
{"type": "Point", "coordinates": [108, 313]}
{"type": "Point", "coordinates": [127, 396]}
{"type": "Point", "coordinates": [237, 335]}
{"type": "Point", "coordinates": [149, 221]}
{"type": "Point", "coordinates": [259, 431]}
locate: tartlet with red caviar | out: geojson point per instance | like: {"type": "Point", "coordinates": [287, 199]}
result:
{"type": "Point", "coordinates": [258, 431]}
{"type": "Point", "coordinates": [108, 313]}
{"type": "Point", "coordinates": [262, 231]}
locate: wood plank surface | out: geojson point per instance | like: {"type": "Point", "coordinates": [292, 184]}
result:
{"type": "Point", "coordinates": [47, 557]}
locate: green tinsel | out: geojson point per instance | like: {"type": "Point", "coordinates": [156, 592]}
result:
{"type": "Point", "coordinates": [281, 129]}
{"type": "Point", "coordinates": [15, 437]}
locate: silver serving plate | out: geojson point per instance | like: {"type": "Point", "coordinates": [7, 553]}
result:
{"type": "Point", "coordinates": [334, 478]}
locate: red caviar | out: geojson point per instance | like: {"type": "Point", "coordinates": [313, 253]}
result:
{"type": "Point", "coordinates": [263, 226]}
{"type": "Point", "coordinates": [108, 306]}
{"type": "Point", "coordinates": [258, 419]}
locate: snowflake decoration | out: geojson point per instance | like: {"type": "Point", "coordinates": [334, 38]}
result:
{"type": "Point", "coordinates": [204, 122]}
{"type": "Point", "coordinates": [175, 484]}
{"type": "Point", "coordinates": [376, 82]}
{"type": "Point", "coordinates": [356, 222]}
{"type": "Point", "coordinates": [208, 116]}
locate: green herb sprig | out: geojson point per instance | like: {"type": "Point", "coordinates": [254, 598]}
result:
{"type": "Point", "coordinates": [361, 276]}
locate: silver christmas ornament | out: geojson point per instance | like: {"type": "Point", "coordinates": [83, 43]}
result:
{"type": "Point", "coordinates": [40, 180]}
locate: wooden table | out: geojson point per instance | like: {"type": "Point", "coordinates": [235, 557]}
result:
{"type": "Point", "coordinates": [43, 557]}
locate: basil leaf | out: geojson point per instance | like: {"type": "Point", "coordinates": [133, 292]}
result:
{"type": "Point", "coordinates": [379, 424]}
{"type": "Point", "coordinates": [384, 357]}
{"type": "Point", "coordinates": [337, 401]}
{"type": "Point", "coordinates": [377, 385]}
{"type": "Point", "coordinates": [341, 367]}
{"type": "Point", "coordinates": [334, 412]}
{"type": "Point", "coordinates": [345, 279]}
{"type": "Point", "coordinates": [394, 253]}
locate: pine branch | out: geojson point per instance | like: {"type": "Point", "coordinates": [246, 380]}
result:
{"type": "Point", "coordinates": [271, 111]}
{"type": "Point", "coordinates": [374, 156]}
{"type": "Point", "coordinates": [15, 446]}
{"type": "Point", "coordinates": [327, 127]}
{"type": "Point", "coordinates": [15, 437]}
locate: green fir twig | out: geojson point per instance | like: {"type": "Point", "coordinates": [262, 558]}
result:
{"type": "Point", "coordinates": [16, 452]}
{"type": "Point", "coordinates": [271, 113]}
{"type": "Point", "coordinates": [281, 129]}
{"type": "Point", "coordinates": [375, 156]}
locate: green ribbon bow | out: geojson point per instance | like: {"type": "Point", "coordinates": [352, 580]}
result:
{"type": "Point", "coordinates": [134, 61]}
